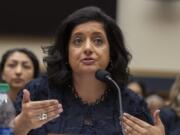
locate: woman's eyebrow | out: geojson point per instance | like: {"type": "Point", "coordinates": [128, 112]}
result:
{"type": "Point", "coordinates": [77, 34]}
{"type": "Point", "coordinates": [16, 61]}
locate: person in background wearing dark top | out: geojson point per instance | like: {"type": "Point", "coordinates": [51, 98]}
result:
{"type": "Point", "coordinates": [69, 99]}
{"type": "Point", "coordinates": [138, 87]}
{"type": "Point", "coordinates": [170, 114]}
{"type": "Point", "coordinates": [17, 67]}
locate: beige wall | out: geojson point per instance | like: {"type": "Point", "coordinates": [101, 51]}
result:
{"type": "Point", "coordinates": [152, 33]}
{"type": "Point", "coordinates": [151, 29]}
{"type": "Point", "coordinates": [32, 43]}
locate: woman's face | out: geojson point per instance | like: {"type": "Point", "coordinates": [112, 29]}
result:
{"type": "Point", "coordinates": [88, 48]}
{"type": "Point", "coordinates": [18, 70]}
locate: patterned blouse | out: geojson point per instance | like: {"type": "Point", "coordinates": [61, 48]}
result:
{"type": "Point", "coordinates": [78, 118]}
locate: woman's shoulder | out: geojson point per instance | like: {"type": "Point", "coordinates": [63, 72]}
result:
{"type": "Point", "coordinates": [41, 88]}
{"type": "Point", "coordinates": [35, 87]}
{"type": "Point", "coordinates": [135, 105]}
{"type": "Point", "coordinates": [41, 81]}
{"type": "Point", "coordinates": [132, 98]}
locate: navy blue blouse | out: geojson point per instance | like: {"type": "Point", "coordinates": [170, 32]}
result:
{"type": "Point", "coordinates": [170, 120]}
{"type": "Point", "coordinates": [79, 118]}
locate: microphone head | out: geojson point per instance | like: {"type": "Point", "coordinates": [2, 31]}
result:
{"type": "Point", "coordinates": [102, 75]}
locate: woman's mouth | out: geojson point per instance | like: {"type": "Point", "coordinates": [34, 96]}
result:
{"type": "Point", "coordinates": [88, 61]}
{"type": "Point", "coordinates": [18, 80]}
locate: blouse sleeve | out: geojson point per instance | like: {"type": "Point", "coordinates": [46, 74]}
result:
{"type": "Point", "coordinates": [38, 89]}
{"type": "Point", "coordinates": [143, 112]}
{"type": "Point", "coordinates": [136, 106]}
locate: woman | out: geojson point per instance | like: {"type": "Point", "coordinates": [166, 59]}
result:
{"type": "Point", "coordinates": [18, 66]}
{"type": "Point", "coordinates": [70, 99]}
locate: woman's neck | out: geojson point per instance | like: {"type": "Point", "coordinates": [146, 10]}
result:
{"type": "Point", "coordinates": [13, 94]}
{"type": "Point", "coordinates": [88, 88]}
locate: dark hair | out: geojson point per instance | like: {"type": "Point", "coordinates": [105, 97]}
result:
{"type": "Point", "coordinates": [59, 71]}
{"type": "Point", "coordinates": [30, 54]}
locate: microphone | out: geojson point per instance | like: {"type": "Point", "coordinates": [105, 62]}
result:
{"type": "Point", "coordinates": [105, 76]}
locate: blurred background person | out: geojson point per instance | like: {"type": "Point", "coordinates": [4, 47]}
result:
{"type": "Point", "coordinates": [17, 67]}
{"type": "Point", "coordinates": [170, 114]}
{"type": "Point", "coordinates": [138, 87]}
{"type": "Point", "coordinates": [154, 102]}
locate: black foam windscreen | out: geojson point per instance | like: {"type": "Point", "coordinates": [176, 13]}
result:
{"type": "Point", "coordinates": [102, 75]}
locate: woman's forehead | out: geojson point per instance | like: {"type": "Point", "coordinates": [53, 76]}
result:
{"type": "Point", "coordinates": [90, 27]}
{"type": "Point", "coordinates": [18, 56]}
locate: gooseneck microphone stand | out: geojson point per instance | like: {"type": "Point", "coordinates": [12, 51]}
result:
{"type": "Point", "coordinates": [103, 75]}
{"type": "Point", "coordinates": [120, 101]}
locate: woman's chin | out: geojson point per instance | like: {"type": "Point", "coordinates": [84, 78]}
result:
{"type": "Point", "coordinates": [18, 86]}
{"type": "Point", "coordinates": [87, 69]}
{"type": "Point", "coordinates": [90, 69]}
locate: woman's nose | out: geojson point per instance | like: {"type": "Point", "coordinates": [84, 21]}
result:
{"type": "Point", "coordinates": [19, 69]}
{"type": "Point", "coordinates": [88, 49]}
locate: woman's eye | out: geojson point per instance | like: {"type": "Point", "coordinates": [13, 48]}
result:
{"type": "Point", "coordinates": [77, 41]}
{"type": "Point", "coordinates": [98, 41]}
{"type": "Point", "coordinates": [26, 66]}
{"type": "Point", "coordinates": [11, 65]}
